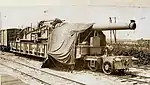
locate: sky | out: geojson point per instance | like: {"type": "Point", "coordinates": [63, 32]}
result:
{"type": "Point", "coordinates": [73, 2]}
{"type": "Point", "coordinates": [21, 13]}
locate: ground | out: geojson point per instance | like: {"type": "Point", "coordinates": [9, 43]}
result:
{"type": "Point", "coordinates": [85, 76]}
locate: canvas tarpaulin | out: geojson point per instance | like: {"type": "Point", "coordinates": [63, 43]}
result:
{"type": "Point", "coordinates": [63, 40]}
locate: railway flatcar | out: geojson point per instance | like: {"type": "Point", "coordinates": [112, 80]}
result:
{"type": "Point", "coordinates": [65, 42]}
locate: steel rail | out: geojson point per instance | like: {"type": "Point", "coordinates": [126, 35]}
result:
{"type": "Point", "coordinates": [43, 82]}
{"type": "Point", "coordinates": [44, 71]}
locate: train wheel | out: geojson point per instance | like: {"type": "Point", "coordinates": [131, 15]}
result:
{"type": "Point", "coordinates": [92, 65]}
{"type": "Point", "coordinates": [107, 68]}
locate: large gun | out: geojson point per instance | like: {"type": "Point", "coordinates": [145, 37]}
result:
{"type": "Point", "coordinates": [116, 26]}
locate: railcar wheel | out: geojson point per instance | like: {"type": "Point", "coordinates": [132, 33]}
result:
{"type": "Point", "coordinates": [107, 68]}
{"type": "Point", "coordinates": [92, 67]}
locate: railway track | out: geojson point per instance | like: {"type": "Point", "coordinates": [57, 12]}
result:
{"type": "Point", "coordinates": [127, 77]}
{"type": "Point", "coordinates": [43, 77]}
{"type": "Point", "coordinates": [137, 79]}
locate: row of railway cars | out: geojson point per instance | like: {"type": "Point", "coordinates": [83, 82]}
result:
{"type": "Point", "coordinates": [66, 42]}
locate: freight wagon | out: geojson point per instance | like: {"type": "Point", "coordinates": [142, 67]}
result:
{"type": "Point", "coordinates": [7, 35]}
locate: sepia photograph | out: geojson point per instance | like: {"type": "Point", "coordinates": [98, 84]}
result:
{"type": "Point", "coordinates": [74, 42]}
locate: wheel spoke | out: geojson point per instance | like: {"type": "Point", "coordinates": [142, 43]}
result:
{"type": "Point", "coordinates": [107, 69]}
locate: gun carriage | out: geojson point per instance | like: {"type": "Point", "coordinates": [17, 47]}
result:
{"type": "Point", "coordinates": [66, 42]}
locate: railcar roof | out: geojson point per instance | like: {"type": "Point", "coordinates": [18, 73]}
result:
{"type": "Point", "coordinates": [8, 28]}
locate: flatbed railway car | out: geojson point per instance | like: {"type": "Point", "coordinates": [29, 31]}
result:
{"type": "Point", "coordinates": [66, 42]}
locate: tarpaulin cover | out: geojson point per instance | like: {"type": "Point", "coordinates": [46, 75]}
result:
{"type": "Point", "coordinates": [63, 40]}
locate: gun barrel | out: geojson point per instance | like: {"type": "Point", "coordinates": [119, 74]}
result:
{"type": "Point", "coordinates": [116, 26]}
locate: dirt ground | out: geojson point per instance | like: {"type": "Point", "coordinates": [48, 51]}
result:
{"type": "Point", "coordinates": [85, 76]}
